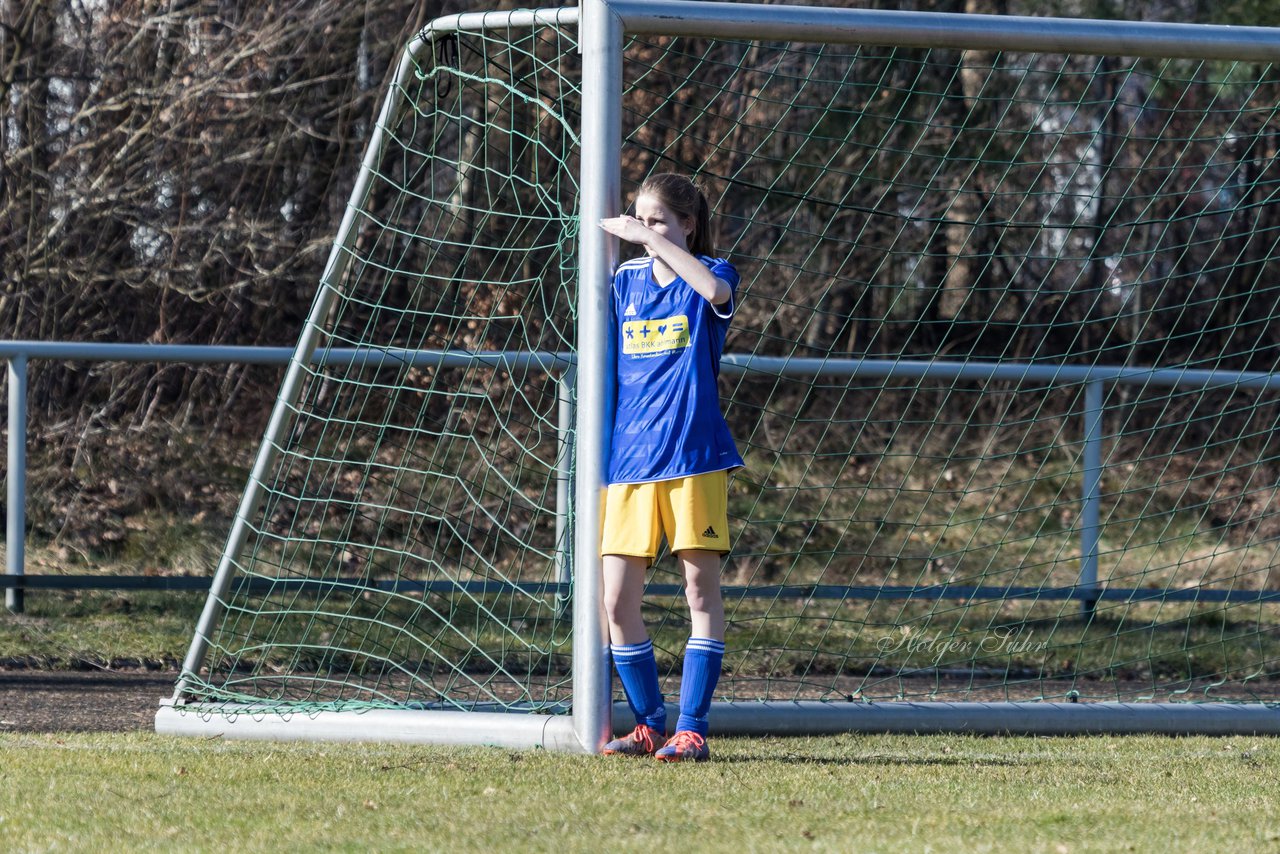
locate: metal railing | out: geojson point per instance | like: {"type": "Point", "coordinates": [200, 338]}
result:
{"type": "Point", "coordinates": [18, 355]}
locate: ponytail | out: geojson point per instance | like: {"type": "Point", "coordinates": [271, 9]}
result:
{"type": "Point", "coordinates": [687, 200]}
{"type": "Point", "coordinates": [700, 240]}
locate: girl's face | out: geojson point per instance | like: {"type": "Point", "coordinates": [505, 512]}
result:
{"type": "Point", "coordinates": [661, 219]}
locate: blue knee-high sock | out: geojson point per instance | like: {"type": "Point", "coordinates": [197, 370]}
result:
{"type": "Point", "coordinates": [638, 672]}
{"type": "Point", "coordinates": [702, 658]}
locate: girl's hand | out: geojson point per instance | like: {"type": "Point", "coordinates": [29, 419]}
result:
{"type": "Point", "coordinates": [627, 228]}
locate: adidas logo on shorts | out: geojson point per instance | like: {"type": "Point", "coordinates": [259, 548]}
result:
{"type": "Point", "coordinates": [711, 532]}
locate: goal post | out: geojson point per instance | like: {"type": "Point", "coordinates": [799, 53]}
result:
{"type": "Point", "coordinates": [1002, 373]}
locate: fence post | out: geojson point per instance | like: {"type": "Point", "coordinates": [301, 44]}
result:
{"type": "Point", "coordinates": [16, 518]}
{"type": "Point", "coordinates": [1090, 529]}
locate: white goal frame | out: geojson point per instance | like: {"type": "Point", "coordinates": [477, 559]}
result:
{"type": "Point", "coordinates": [603, 26]}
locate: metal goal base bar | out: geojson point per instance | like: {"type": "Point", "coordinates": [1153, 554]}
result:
{"type": "Point", "coordinates": [555, 732]}
{"type": "Point", "coordinates": [404, 726]}
{"type": "Point", "coordinates": [1032, 718]}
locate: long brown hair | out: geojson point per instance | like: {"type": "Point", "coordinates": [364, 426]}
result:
{"type": "Point", "coordinates": [687, 200]}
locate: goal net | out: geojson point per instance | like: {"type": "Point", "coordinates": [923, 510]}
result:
{"type": "Point", "coordinates": [1000, 372]}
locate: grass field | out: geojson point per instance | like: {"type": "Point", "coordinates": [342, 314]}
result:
{"type": "Point", "coordinates": [844, 793]}
{"type": "Point", "coordinates": [100, 792]}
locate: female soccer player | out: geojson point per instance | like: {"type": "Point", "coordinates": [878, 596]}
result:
{"type": "Point", "coordinates": [668, 470]}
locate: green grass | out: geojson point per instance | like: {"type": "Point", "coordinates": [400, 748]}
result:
{"type": "Point", "coordinates": [61, 629]}
{"type": "Point", "coordinates": [844, 793]}
{"type": "Point", "coordinates": [801, 648]}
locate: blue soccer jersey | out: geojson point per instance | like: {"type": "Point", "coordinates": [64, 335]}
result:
{"type": "Point", "coordinates": [668, 422]}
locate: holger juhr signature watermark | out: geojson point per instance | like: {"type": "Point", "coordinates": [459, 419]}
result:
{"type": "Point", "coordinates": [939, 647]}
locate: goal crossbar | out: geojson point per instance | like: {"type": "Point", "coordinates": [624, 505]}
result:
{"type": "Point", "coordinates": [944, 30]}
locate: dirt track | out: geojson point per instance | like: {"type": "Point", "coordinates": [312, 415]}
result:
{"type": "Point", "coordinates": [81, 701]}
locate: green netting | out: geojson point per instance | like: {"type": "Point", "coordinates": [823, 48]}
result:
{"type": "Point", "coordinates": [987, 208]}
{"type": "Point", "coordinates": [898, 533]}
{"type": "Point", "coordinates": [429, 491]}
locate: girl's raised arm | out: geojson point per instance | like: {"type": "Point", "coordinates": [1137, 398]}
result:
{"type": "Point", "coordinates": [680, 260]}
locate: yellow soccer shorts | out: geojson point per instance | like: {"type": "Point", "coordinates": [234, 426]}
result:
{"type": "Point", "coordinates": [693, 513]}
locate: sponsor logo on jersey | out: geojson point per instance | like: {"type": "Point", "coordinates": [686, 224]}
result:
{"type": "Point", "coordinates": [646, 337]}
{"type": "Point", "coordinates": [630, 312]}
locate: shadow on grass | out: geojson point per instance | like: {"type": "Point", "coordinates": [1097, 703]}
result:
{"type": "Point", "coordinates": [883, 760]}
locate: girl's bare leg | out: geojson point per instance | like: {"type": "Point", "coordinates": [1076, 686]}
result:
{"type": "Point", "coordinates": [623, 593]}
{"type": "Point", "coordinates": [702, 590]}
